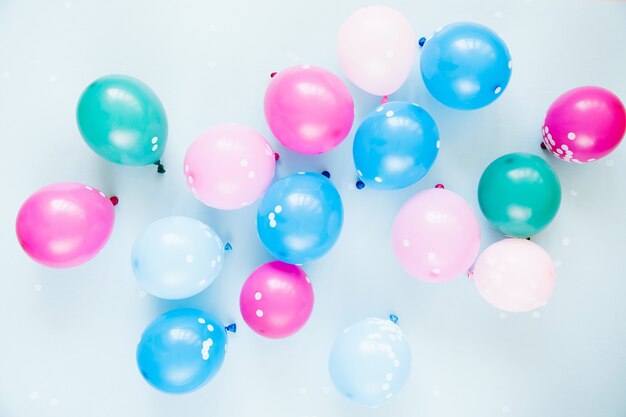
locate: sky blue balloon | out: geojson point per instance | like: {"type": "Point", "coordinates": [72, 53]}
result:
{"type": "Point", "coordinates": [395, 146]}
{"type": "Point", "coordinates": [181, 350]}
{"type": "Point", "coordinates": [177, 257]}
{"type": "Point", "coordinates": [300, 217]}
{"type": "Point", "coordinates": [465, 66]}
{"type": "Point", "coordinates": [370, 361]}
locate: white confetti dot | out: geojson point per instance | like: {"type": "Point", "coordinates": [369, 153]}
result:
{"type": "Point", "coordinates": [547, 129]}
{"type": "Point", "coordinates": [564, 147]}
{"type": "Point", "coordinates": [259, 313]}
{"type": "Point", "coordinates": [396, 363]}
{"type": "Point", "coordinates": [213, 263]}
{"type": "Point", "coordinates": [386, 387]}
{"type": "Point", "coordinates": [559, 151]}
{"type": "Point", "coordinates": [271, 216]}
{"type": "Point", "coordinates": [243, 162]}
{"type": "Point", "coordinates": [186, 168]}
{"type": "Point", "coordinates": [155, 147]}
{"type": "Point", "coordinates": [189, 258]}
{"type": "Point", "coordinates": [549, 136]}
{"type": "Point", "coordinates": [272, 223]}
{"type": "Point", "coordinates": [536, 314]}
{"type": "Point", "coordinates": [210, 327]}
{"type": "Point", "coordinates": [219, 258]}
{"type": "Point", "coordinates": [438, 144]}
{"type": "Point", "coordinates": [257, 296]}
{"type": "Point", "coordinates": [378, 179]}
{"type": "Point", "coordinates": [389, 376]}
{"type": "Point", "coordinates": [405, 242]}
{"type": "Point", "coordinates": [251, 174]}
{"type": "Point", "coordinates": [379, 109]}
{"type": "Point", "coordinates": [201, 320]}
{"type": "Point", "coordinates": [155, 140]}
{"type": "Point", "coordinates": [571, 135]}
{"type": "Point", "coordinates": [202, 283]}
{"type": "Point", "coordinates": [497, 90]}
{"type": "Point", "coordinates": [436, 271]}
{"type": "Point", "coordinates": [389, 113]}
{"type": "Point", "coordinates": [34, 395]}
{"type": "Point", "coordinates": [278, 209]}
{"type": "Point", "coordinates": [566, 241]}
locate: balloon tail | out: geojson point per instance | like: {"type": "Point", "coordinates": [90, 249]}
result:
{"type": "Point", "coordinates": [228, 246]}
{"type": "Point", "coordinates": [360, 185]}
{"type": "Point", "coordinates": [276, 156]}
{"type": "Point", "coordinates": [384, 100]}
{"type": "Point", "coordinates": [528, 238]}
{"type": "Point", "coordinates": [439, 186]}
{"type": "Point", "coordinates": [114, 200]}
{"type": "Point", "coordinates": [326, 174]}
{"type": "Point", "coordinates": [231, 328]}
{"type": "Point", "coordinates": [422, 41]}
{"type": "Point", "coordinates": [160, 167]}
{"type": "Point", "coordinates": [543, 146]}
{"type": "Point", "coordinates": [393, 318]}
{"type": "Point", "coordinates": [273, 74]}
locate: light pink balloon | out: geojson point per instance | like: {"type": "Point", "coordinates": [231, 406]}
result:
{"type": "Point", "coordinates": [276, 300]}
{"type": "Point", "coordinates": [514, 275]}
{"type": "Point", "coordinates": [64, 225]}
{"type": "Point", "coordinates": [229, 166]}
{"type": "Point", "coordinates": [436, 235]}
{"type": "Point", "coordinates": [376, 46]}
{"type": "Point", "coordinates": [309, 109]}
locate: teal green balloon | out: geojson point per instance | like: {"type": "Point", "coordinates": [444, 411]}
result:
{"type": "Point", "coordinates": [519, 194]}
{"type": "Point", "coordinates": [123, 120]}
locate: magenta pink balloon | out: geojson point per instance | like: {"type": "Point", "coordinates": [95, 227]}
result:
{"type": "Point", "coordinates": [229, 166]}
{"type": "Point", "coordinates": [276, 299]}
{"type": "Point", "coordinates": [309, 109]}
{"type": "Point", "coordinates": [584, 124]}
{"type": "Point", "coordinates": [436, 235]}
{"type": "Point", "coordinates": [65, 224]}
{"type": "Point", "coordinates": [376, 46]}
{"type": "Point", "coordinates": [514, 275]}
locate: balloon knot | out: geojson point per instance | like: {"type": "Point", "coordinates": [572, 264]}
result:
{"type": "Point", "coordinates": [228, 246]}
{"type": "Point", "coordinates": [393, 318]}
{"type": "Point", "coordinates": [326, 174]}
{"type": "Point", "coordinates": [422, 41]}
{"type": "Point", "coordinates": [360, 185]}
{"type": "Point", "coordinates": [160, 167]}
{"type": "Point", "coordinates": [439, 186]}
{"type": "Point", "coordinates": [272, 75]}
{"type": "Point", "coordinates": [543, 146]}
{"type": "Point", "coordinates": [384, 100]}
{"type": "Point", "coordinates": [114, 200]}
{"type": "Point", "coordinates": [470, 273]}
{"type": "Point", "coordinates": [528, 238]}
{"type": "Point", "coordinates": [276, 156]}
{"type": "Point", "coordinates": [231, 328]}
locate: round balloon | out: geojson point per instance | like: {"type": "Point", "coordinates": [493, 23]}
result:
{"type": "Point", "coordinates": [436, 235]}
{"type": "Point", "coordinates": [65, 224]}
{"type": "Point", "coordinates": [519, 194]}
{"type": "Point", "coordinates": [300, 217]}
{"type": "Point", "coordinates": [122, 120]}
{"type": "Point", "coordinates": [370, 361]}
{"type": "Point", "coordinates": [276, 300]}
{"type": "Point", "coordinates": [514, 275]}
{"type": "Point", "coordinates": [465, 65]}
{"type": "Point", "coordinates": [309, 109]}
{"type": "Point", "coordinates": [376, 46]}
{"type": "Point", "coordinates": [584, 124]}
{"type": "Point", "coordinates": [177, 257]}
{"type": "Point", "coordinates": [395, 146]}
{"type": "Point", "coordinates": [229, 166]}
{"type": "Point", "coordinates": [181, 350]}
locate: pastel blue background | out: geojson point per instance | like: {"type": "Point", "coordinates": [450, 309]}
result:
{"type": "Point", "coordinates": [69, 336]}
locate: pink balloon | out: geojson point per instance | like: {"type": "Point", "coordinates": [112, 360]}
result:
{"type": "Point", "coordinates": [229, 166]}
{"type": "Point", "coordinates": [276, 299]}
{"type": "Point", "coordinates": [309, 109]}
{"type": "Point", "coordinates": [376, 46]}
{"type": "Point", "coordinates": [584, 124]}
{"type": "Point", "coordinates": [64, 225]}
{"type": "Point", "coordinates": [436, 235]}
{"type": "Point", "coordinates": [514, 275]}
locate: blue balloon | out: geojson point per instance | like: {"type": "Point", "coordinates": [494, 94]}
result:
{"type": "Point", "coordinates": [395, 146]}
{"type": "Point", "coordinates": [465, 66]}
{"type": "Point", "coordinates": [370, 361]}
{"type": "Point", "coordinates": [181, 350]}
{"type": "Point", "coordinates": [300, 218]}
{"type": "Point", "coordinates": [177, 257]}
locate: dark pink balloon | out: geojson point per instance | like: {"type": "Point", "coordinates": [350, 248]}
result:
{"type": "Point", "coordinates": [276, 300]}
{"type": "Point", "coordinates": [309, 109]}
{"type": "Point", "coordinates": [584, 124]}
{"type": "Point", "coordinates": [65, 224]}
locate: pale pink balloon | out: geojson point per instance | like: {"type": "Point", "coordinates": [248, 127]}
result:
{"type": "Point", "coordinates": [276, 300]}
{"type": "Point", "coordinates": [309, 109]}
{"type": "Point", "coordinates": [514, 275]}
{"type": "Point", "coordinates": [64, 225]}
{"type": "Point", "coordinates": [229, 166]}
{"type": "Point", "coordinates": [436, 235]}
{"type": "Point", "coordinates": [376, 46]}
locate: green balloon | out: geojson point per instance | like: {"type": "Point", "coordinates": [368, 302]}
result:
{"type": "Point", "coordinates": [519, 194]}
{"type": "Point", "coordinates": [123, 121]}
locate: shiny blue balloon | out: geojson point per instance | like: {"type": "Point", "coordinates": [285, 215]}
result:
{"type": "Point", "coordinates": [370, 361]}
{"type": "Point", "coordinates": [465, 66]}
{"type": "Point", "coordinates": [300, 218]}
{"type": "Point", "coordinates": [395, 146]}
{"type": "Point", "coordinates": [181, 350]}
{"type": "Point", "coordinates": [177, 257]}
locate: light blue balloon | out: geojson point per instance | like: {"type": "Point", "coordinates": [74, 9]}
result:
{"type": "Point", "coordinates": [300, 218]}
{"type": "Point", "coordinates": [370, 361]}
{"type": "Point", "coordinates": [395, 146]}
{"type": "Point", "coordinates": [181, 350]}
{"type": "Point", "coordinates": [465, 66]}
{"type": "Point", "coordinates": [177, 257]}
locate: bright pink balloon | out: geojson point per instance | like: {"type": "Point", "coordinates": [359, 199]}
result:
{"type": "Point", "coordinates": [436, 235]}
{"type": "Point", "coordinates": [65, 224]}
{"type": "Point", "coordinates": [514, 275]}
{"type": "Point", "coordinates": [229, 166]}
{"type": "Point", "coordinates": [276, 299]}
{"type": "Point", "coordinates": [309, 109]}
{"type": "Point", "coordinates": [584, 124]}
